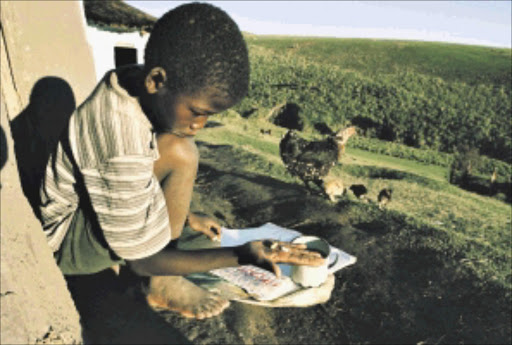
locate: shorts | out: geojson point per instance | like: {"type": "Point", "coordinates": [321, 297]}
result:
{"type": "Point", "coordinates": [84, 249]}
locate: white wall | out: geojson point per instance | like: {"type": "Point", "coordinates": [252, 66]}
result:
{"type": "Point", "coordinates": [103, 43]}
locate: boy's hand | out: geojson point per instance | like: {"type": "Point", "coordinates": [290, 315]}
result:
{"type": "Point", "coordinates": [268, 253]}
{"type": "Point", "coordinates": [205, 225]}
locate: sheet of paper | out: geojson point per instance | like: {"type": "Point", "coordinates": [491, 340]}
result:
{"type": "Point", "coordinates": [234, 237]}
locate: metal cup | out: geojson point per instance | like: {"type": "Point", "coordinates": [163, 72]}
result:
{"type": "Point", "coordinates": [312, 276]}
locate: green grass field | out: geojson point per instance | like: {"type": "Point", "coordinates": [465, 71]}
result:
{"type": "Point", "coordinates": [451, 62]}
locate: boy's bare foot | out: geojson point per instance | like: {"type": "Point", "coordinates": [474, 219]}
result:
{"type": "Point", "coordinates": [182, 296]}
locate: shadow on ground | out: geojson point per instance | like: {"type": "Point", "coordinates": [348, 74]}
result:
{"type": "Point", "coordinates": [113, 311]}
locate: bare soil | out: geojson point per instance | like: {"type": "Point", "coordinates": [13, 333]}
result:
{"type": "Point", "coordinates": [408, 285]}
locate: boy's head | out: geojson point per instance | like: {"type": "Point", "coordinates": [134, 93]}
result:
{"type": "Point", "coordinates": [195, 49]}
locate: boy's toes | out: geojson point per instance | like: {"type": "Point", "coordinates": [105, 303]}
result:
{"type": "Point", "coordinates": [213, 307]}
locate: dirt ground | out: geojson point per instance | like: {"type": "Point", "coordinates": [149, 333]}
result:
{"type": "Point", "coordinates": [400, 290]}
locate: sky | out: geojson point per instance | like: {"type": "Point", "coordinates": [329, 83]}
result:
{"type": "Point", "coordinates": [485, 23]}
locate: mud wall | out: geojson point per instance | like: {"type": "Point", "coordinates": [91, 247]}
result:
{"type": "Point", "coordinates": [40, 40]}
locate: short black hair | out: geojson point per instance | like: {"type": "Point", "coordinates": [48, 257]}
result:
{"type": "Point", "coordinates": [200, 46]}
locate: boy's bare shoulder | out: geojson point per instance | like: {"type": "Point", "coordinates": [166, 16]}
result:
{"type": "Point", "coordinates": [175, 152]}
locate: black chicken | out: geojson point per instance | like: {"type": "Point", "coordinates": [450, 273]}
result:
{"type": "Point", "coordinates": [359, 190]}
{"type": "Point", "coordinates": [311, 161]}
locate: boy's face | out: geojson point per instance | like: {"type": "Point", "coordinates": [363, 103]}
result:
{"type": "Point", "coordinates": [184, 115]}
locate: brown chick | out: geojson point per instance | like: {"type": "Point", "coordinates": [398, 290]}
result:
{"type": "Point", "coordinates": [333, 188]}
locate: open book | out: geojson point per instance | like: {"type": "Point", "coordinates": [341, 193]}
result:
{"type": "Point", "coordinates": [262, 284]}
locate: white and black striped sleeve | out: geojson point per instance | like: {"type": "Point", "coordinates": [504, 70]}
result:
{"type": "Point", "coordinates": [130, 205]}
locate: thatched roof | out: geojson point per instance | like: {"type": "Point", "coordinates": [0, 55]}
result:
{"type": "Point", "coordinates": [117, 15]}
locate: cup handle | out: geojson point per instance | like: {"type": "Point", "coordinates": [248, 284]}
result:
{"type": "Point", "coordinates": [334, 262]}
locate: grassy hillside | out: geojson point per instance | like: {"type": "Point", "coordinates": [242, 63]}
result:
{"type": "Point", "coordinates": [410, 93]}
{"type": "Point", "coordinates": [473, 65]}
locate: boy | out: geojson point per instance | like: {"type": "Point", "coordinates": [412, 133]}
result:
{"type": "Point", "coordinates": [119, 187]}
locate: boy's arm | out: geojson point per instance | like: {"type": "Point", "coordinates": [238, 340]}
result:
{"type": "Point", "coordinates": [176, 169]}
{"type": "Point", "coordinates": [171, 261]}
{"type": "Point", "coordinates": [265, 254]}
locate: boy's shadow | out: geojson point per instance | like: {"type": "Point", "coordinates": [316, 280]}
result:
{"type": "Point", "coordinates": [4, 156]}
{"type": "Point", "coordinates": [113, 311]}
{"type": "Point", "coordinates": [108, 313]}
{"type": "Point", "coordinates": [36, 132]}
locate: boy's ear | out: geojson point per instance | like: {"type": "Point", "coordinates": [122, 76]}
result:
{"type": "Point", "coordinates": [155, 80]}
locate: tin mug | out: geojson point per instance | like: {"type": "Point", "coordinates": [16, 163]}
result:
{"type": "Point", "coordinates": [312, 276]}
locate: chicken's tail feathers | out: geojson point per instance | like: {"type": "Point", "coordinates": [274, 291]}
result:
{"type": "Point", "coordinates": [342, 137]}
{"type": "Point", "coordinates": [344, 134]}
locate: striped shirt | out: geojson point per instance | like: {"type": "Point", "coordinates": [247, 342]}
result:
{"type": "Point", "coordinates": [113, 150]}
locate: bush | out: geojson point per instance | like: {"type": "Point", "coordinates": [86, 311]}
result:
{"type": "Point", "coordinates": [407, 107]}
{"type": "Point", "coordinates": [465, 161]}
